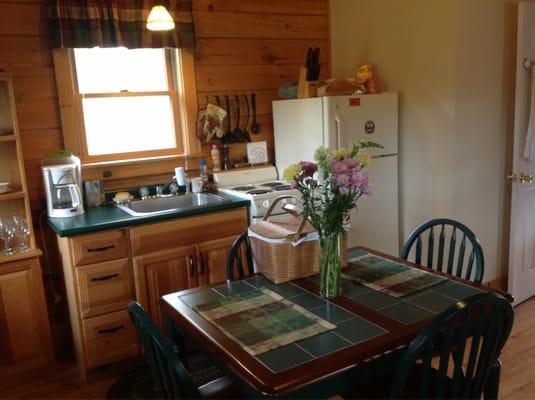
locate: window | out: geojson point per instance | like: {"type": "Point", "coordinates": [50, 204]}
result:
{"type": "Point", "coordinates": [123, 104]}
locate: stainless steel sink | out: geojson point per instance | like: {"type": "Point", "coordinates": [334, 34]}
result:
{"type": "Point", "coordinates": [163, 205]}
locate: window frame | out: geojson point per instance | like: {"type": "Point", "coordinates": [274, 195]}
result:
{"type": "Point", "coordinates": [183, 97]}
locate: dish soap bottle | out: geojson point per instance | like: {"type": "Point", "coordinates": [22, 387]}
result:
{"type": "Point", "coordinates": [216, 159]}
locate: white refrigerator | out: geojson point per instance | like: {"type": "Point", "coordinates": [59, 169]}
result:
{"type": "Point", "coordinates": [302, 125]}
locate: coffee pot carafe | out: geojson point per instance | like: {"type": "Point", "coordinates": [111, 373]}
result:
{"type": "Point", "coordinates": [62, 178]}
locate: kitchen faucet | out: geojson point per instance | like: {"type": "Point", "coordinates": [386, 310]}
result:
{"type": "Point", "coordinates": [172, 186]}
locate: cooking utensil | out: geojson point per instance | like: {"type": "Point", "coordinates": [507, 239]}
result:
{"type": "Point", "coordinates": [245, 131]}
{"type": "Point", "coordinates": [255, 127]}
{"type": "Point", "coordinates": [239, 136]}
{"type": "Point", "coordinates": [220, 132]}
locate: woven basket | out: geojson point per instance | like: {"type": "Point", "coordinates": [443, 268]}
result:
{"type": "Point", "coordinates": [287, 247]}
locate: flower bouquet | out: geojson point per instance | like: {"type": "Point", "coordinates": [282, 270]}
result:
{"type": "Point", "coordinates": [330, 189]}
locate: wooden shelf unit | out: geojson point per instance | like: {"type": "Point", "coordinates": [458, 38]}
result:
{"type": "Point", "coordinates": [16, 201]}
{"type": "Point", "coordinates": [26, 343]}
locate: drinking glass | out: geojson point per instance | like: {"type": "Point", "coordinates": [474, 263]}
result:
{"type": "Point", "coordinates": [22, 233]}
{"type": "Point", "coordinates": [7, 234]}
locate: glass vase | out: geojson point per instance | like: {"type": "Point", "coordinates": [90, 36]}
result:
{"type": "Point", "coordinates": [329, 266]}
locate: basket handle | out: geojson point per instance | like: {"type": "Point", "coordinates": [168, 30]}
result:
{"type": "Point", "coordinates": [304, 219]}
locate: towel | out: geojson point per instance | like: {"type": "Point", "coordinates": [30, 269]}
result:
{"type": "Point", "coordinates": [529, 150]}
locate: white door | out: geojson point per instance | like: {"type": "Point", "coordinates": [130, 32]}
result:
{"type": "Point", "coordinates": [522, 238]}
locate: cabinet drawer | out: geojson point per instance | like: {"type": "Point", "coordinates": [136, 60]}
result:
{"type": "Point", "coordinates": [109, 338]}
{"type": "Point", "coordinates": [187, 231]}
{"type": "Point", "coordinates": [90, 249]}
{"type": "Point", "coordinates": [104, 287]}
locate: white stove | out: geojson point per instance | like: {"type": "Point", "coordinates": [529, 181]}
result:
{"type": "Point", "coordinates": [259, 185]}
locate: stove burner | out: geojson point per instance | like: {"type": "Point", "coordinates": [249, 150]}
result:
{"type": "Point", "coordinates": [243, 188]}
{"type": "Point", "coordinates": [282, 187]}
{"type": "Point", "coordinates": [259, 191]}
{"type": "Point", "coordinates": [272, 184]}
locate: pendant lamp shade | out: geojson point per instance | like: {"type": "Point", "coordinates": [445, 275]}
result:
{"type": "Point", "coordinates": [159, 19]}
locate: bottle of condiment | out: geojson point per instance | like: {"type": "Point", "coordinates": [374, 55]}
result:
{"type": "Point", "coordinates": [216, 159]}
{"type": "Point", "coordinates": [204, 173]}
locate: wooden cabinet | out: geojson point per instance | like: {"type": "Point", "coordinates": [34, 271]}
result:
{"type": "Point", "coordinates": [212, 258]}
{"type": "Point", "coordinates": [163, 272]}
{"type": "Point", "coordinates": [105, 270]}
{"type": "Point", "coordinates": [181, 254]}
{"type": "Point", "coordinates": [25, 342]}
{"type": "Point", "coordinates": [98, 279]}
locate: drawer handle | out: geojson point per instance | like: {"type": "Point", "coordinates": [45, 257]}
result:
{"type": "Point", "coordinates": [104, 248]}
{"type": "Point", "coordinates": [110, 330]}
{"type": "Point", "coordinates": [104, 278]}
{"type": "Point", "coordinates": [192, 268]}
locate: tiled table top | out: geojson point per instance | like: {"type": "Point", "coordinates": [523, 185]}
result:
{"type": "Point", "coordinates": [350, 328]}
{"type": "Point", "coordinates": [368, 324]}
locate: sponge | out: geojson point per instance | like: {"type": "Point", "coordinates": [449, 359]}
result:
{"type": "Point", "coordinates": [122, 196]}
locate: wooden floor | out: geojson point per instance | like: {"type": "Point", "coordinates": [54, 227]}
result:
{"type": "Point", "coordinates": [518, 371]}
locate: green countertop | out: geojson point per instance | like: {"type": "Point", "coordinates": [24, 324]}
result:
{"type": "Point", "coordinates": [108, 217]}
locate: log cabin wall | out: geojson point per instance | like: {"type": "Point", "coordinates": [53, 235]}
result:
{"type": "Point", "coordinates": [243, 46]}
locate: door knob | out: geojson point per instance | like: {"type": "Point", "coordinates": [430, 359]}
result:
{"type": "Point", "coordinates": [525, 178]}
{"type": "Point", "coordinates": [511, 177]}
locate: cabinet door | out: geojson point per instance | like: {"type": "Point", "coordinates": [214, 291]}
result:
{"type": "Point", "coordinates": [24, 333]}
{"type": "Point", "coordinates": [212, 258]}
{"type": "Point", "coordinates": [161, 273]}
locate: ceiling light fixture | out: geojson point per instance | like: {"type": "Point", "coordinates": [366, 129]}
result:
{"type": "Point", "coordinates": [159, 19]}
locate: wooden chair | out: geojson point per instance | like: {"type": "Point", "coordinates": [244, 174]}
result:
{"type": "Point", "coordinates": [235, 262]}
{"type": "Point", "coordinates": [454, 357]}
{"type": "Point", "coordinates": [169, 373]}
{"type": "Point", "coordinates": [457, 264]}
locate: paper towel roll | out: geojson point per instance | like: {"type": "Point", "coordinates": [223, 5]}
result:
{"type": "Point", "coordinates": [180, 177]}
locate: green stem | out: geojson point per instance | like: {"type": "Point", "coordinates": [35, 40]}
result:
{"type": "Point", "coordinates": [330, 265]}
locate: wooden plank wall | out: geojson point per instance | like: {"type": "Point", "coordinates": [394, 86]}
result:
{"type": "Point", "coordinates": [246, 46]}
{"type": "Point", "coordinates": [243, 46]}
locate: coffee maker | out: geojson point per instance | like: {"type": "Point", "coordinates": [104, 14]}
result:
{"type": "Point", "coordinates": [63, 179]}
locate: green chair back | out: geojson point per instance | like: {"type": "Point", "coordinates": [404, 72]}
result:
{"type": "Point", "coordinates": [235, 263]}
{"type": "Point", "coordinates": [472, 331]}
{"type": "Point", "coordinates": [451, 247]}
{"type": "Point", "coordinates": [168, 371]}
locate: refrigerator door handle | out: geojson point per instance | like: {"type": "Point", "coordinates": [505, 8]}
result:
{"type": "Point", "coordinates": [338, 128]}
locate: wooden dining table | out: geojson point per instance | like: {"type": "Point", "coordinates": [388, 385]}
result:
{"type": "Point", "coordinates": [372, 329]}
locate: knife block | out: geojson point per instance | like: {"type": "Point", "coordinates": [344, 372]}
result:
{"type": "Point", "coordinates": [306, 89]}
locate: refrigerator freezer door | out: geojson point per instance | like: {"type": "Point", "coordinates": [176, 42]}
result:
{"type": "Point", "coordinates": [375, 223]}
{"type": "Point", "coordinates": [298, 130]}
{"type": "Point", "coordinates": [373, 117]}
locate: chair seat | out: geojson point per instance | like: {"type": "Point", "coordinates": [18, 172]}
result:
{"type": "Point", "coordinates": [200, 368]}
{"type": "Point", "coordinates": [221, 388]}
{"type": "Point", "coordinates": [381, 387]}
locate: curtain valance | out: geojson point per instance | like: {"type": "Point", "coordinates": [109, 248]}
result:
{"type": "Point", "coordinates": [117, 23]}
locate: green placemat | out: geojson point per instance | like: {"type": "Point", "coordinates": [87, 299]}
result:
{"type": "Point", "coordinates": [388, 276]}
{"type": "Point", "coordinates": [261, 320]}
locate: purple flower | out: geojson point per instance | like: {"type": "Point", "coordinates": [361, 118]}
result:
{"type": "Point", "coordinates": [360, 181]}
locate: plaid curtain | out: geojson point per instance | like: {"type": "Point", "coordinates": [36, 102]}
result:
{"type": "Point", "coordinates": [116, 23]}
